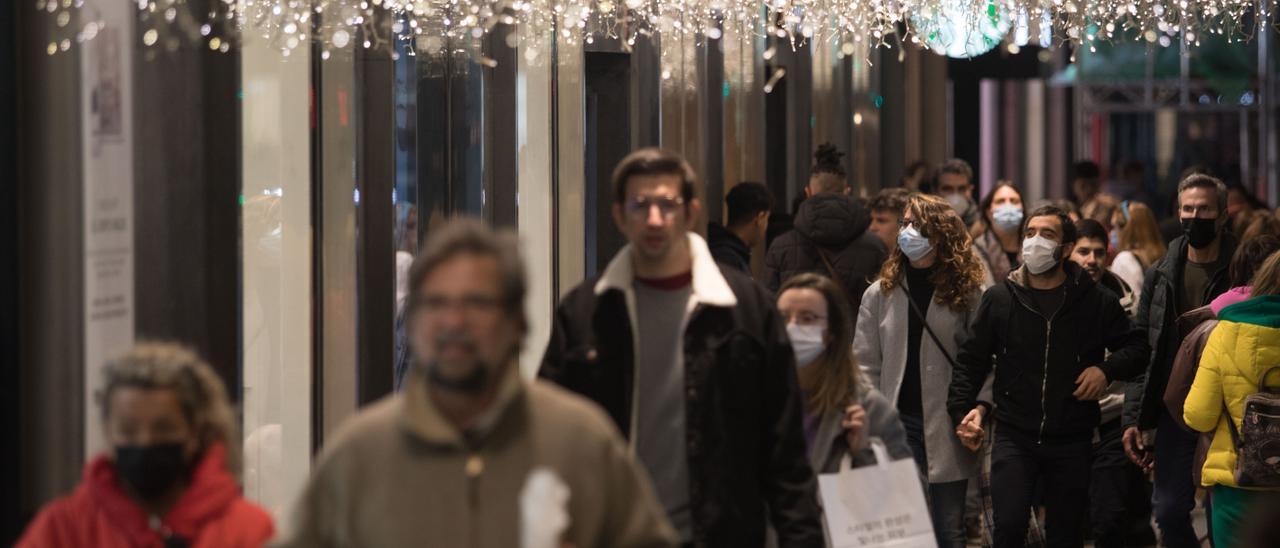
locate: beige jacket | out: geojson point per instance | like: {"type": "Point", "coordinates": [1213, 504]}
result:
{"type": "Point", "coordinates": [398, 474]}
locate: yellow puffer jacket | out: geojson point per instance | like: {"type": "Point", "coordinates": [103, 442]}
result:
{"type": "Point", "coordinates": [1241, 348]}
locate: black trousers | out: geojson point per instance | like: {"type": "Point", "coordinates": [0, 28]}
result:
{"type": "Point", "coordinates": [1119, 503]}
{"type": "Point", "coordinates": [1018, 462]}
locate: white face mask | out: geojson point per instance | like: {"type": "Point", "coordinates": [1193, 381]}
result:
{"type": "Point", "coordinates": [959, 202]}
{"type": "Point", "coordinates": [807, 342]}
{"type": "Point", "coordinates": [1040, 254]}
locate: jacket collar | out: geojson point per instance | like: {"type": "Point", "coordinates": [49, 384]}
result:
{"type": "Point", "coordinates": [1176, 254]}
{"type": "Point", "coordinates": [1019, 277]}
{"type": "Point", "coordinates": [1076, 281]}
{"type": "Point", "coordinates": [211, 490]}
{"type": "Point", "coordinates": [1116, 284]}
{"type": "Point", "coordinates": [420, 416]}
{"type": "Point", "coordinates": [726, 239]}
{"type": "Point", "coordinates": [709, 286]}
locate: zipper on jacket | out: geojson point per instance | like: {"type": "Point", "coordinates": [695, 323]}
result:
{"type": "Point", "coordinates": [1044, 376]}
{"type": "Point", "coordinates": [1044, 379]}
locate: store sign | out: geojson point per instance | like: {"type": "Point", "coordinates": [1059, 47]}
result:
{"type": "Point", "coordinates": [106, 115]}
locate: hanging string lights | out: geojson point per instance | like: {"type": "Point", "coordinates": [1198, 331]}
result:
{"type": "Point", "coordinates": [953, 27]}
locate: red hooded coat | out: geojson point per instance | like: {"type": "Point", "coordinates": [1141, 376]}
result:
{"type": "Point", "coordinates": [209, 513]}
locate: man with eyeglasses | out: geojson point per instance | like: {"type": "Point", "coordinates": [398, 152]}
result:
{"type": "Point", "coordinates": [469, 453]}
{"type": "Point", "coordinates": [693, 364]}
{"type": "Point", "coordinates": [1191, 274]}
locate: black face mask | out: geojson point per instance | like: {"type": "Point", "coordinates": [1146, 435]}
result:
{"type": "Point", "coordinates": [1200, 232]}
{"type": "Point", "coordinates": [151, 469]}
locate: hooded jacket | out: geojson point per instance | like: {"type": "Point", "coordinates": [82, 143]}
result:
{"type": "Point", "coordinates": [834, 226]}
{"type": "Point", "coordinates": [1242, 348]}
{"type": "Point", "coordinates": [728, 249]}
{"type": "Point", "coordinates": [1157, 315]}
{"type": "Point", "coordinates": [1194, 328]}
{"type": "Point", "coordinates": [210, 513]}
{"type": "Point", "coordinates": [1037, 358]}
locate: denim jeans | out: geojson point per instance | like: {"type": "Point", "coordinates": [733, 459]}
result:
{"type": "Point", "coordinates": [946, 500]}
{"type": "Point", "coordinates": [1175, 494]}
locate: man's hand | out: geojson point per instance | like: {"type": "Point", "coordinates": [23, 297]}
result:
{"type": "Point", "coordinates": [1136, 448]}
{"type": "Point", "coordinates": [855, 425]}
{"type": "Point", "coordinates": [1091, 384]}
{"type": "Point", "coordinates": [970, 430]}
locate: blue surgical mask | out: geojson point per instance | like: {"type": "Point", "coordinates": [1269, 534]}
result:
{"type": "Point", "coordinates": [913, 244]}
{"type": "Point", "coordinates": [1115, 239]}
{"type": "Point", "coordinates": [1007, 217]}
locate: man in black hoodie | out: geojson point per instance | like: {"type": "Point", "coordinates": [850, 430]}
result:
{"type": "Point", "coordinates": [749, 204]}
{"type": "Point", "coordinates": [1048, 329]}
{"type": "Point", "coordinates": [830, 235]}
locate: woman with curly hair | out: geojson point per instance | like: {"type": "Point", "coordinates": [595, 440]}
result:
{"type": "Point", "coordinates": [170, 477]}
{"type": "Point", "coordinates": [906, 340]}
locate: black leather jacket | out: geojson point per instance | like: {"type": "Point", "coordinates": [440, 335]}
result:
{"type": "Point", "coordinates": [745, 441]}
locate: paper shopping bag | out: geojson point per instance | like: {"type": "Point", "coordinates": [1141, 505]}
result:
{"type": "Point", "coordinates": [876, 506]}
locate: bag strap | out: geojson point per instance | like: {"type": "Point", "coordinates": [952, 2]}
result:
{"type": "Point", "coordinates": [827, 262]}
{"type": "Point", "coordinates": [1262, 379]}
{"type": "Point", "coordinates": [920, 316]}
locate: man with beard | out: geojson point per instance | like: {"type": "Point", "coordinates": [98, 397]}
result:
{"type": "Point", "coordinates": [1055, 340]}
{"type": "Point", "coordinates": [468, 453]}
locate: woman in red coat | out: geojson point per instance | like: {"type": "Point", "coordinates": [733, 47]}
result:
{"type": "Point", "coordinates": [170, 477]}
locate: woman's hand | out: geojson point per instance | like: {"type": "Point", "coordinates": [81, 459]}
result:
{"type": "Point", "coordinates": [855, 425]}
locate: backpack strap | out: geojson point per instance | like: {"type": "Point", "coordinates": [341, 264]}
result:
{"type": "Point", "coordinates": [1262, 379]}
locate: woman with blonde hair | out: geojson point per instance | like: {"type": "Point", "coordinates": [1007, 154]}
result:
{"type": "Point", "coordinates": [1136, 236]}
{"type": "Point", "coordinates": [1241, 358]}
{"type": "Point", "coordinates": [170, 475]}
{"type": "Point", "coordinates": [906, 340]}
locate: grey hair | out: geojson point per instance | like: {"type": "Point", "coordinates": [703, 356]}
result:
{"type": "Point", "coordinates": [201, 394]}
{"type": "Point", "coordinates": [470, 236]}
{"type": "Point", "coordinates": [1201, 180]}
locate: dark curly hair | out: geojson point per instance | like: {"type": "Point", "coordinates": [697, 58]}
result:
{"type": "Point", "coordinates": [958, 276]}
{"type": "Point", "coordinates": [828, 160]}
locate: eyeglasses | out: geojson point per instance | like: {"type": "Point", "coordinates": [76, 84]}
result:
{"type": "Point", "coordinates": [904, 223]}
{"type": "Point", "coordinates": [639, 208]}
